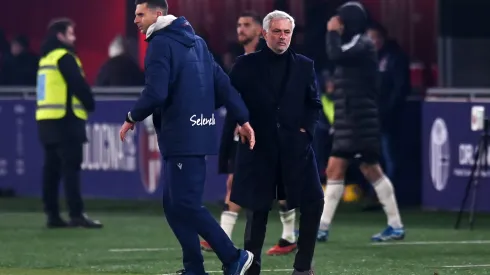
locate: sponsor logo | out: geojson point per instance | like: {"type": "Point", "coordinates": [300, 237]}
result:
{"type": "Point", "coordinates": [200, 120]}
{"type": "Point", "coordinates": [439, 154]}
{"type": "Point", "coordinates": [150, 163]}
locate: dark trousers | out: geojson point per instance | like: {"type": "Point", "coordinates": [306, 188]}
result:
{"type": "Point", "coordinates": [182, 204]}
{"type": "Point", "coordinates": [62, 161]}
{"type": "Point", "coordinates": [309, 222]}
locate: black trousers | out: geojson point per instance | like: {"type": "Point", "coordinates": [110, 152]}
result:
{"type": "Point", "coordinates": [309, 222]}
{"type": "Point", "coordinates": [62, 161]}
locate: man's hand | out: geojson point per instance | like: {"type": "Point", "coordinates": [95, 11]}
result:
{"type": "Point", "coordinates": [124, 129]}
{"type": "Point", "coordinates": [237, 130]}
{"type": "Point", "coordinates": [302, 130]}
{"type": "Point", "coordinates": [334, 24]}
{"type": "Point", "coordinates": [247, 133]}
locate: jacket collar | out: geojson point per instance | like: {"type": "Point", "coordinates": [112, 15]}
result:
{"type": "Point", "coordinates": [162, 22]}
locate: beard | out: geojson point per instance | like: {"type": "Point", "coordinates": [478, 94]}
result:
{"type": "Point", "coordinates": [245, 41]}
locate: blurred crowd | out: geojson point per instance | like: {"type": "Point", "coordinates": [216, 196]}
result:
{"type": "Point", "coordinates": [19, 64]}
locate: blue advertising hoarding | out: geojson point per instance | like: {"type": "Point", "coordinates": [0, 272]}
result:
{"type": "Point", "coordinates": [448, 147]}
{"type": "Point", "coordinates": [111, 168]}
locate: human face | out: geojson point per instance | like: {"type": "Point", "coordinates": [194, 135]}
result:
{"type": "Point", "coordinates": [278, 36]}
{"type": "Point", "coordinates": [68, 37]}
{"type": "Point", "coordinates": [145, 17]}
{"type": "Point", "coordinates": [377, 38]}
{"type": "Point", "coordinates": [16, 48]}
{"type": "Point", "coordinates": [247, 30]}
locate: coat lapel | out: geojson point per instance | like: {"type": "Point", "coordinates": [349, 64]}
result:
{"type": "Point", "coordinates": [264, 76]}
{"type": "Point", "coordinates": [293, 70]}
{"type": "Point", "coordinates": [287, 87]}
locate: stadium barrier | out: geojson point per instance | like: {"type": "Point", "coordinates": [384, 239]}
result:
{"type": "Point", "coordinates": [448, 147]}
{"type": "Point", "coordinates": [111, 168]}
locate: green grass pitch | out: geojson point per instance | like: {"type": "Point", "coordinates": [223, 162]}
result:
{"type": "Point", "coordinates": [137, 240]}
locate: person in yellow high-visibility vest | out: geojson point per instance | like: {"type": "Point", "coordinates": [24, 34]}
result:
{"type": "Point", "coordinates": [64, 100]}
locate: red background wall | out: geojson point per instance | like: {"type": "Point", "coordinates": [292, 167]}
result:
{"type": "Point", "coordinates": [411, 22]}
{"type": "Point", "coordinates": [98, 22]}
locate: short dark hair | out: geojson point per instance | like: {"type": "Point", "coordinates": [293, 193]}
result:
{"type": "Point", "coordinates": [378, 27]}
{"type": "Point", "coordinates": [153, 3]}
{"type": "Point", "coordinates": [59, 25]}
{"type": "Point", "coordinates": [252, 14]}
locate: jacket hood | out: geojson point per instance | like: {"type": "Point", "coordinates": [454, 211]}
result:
{"type": "Point", "coordinates": [177, 28]}
{"type": "Point", "coordinates": [52, 43]}
{"type": "Point", "coordinates": [354, 18]}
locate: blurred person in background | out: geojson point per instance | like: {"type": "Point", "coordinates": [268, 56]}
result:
{"type": "Point", "coordinates": [357, 130]}
{"type": "Point", "coordinates": [394, 69]}
{"type": "Point", "coordinates": [280, 89]}
{"type": "Point", "coordinates": [120, 69]}
{"type": "Point", "coordinates": [249, 28]}
{"type": "Point", "coordinates": [20, 67]}
{"type": "Point", "coordinates": [64, 100]}
{"type": "Point", "coordinates": [186, 85]}
{"type": "Point", "coordinates": [322, 142]}
{"type": "Point", "coordinates": [4, 48]}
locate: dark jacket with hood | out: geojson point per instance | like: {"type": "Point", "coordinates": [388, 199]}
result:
{"type": "Point", "coordinates": [184, 86]}
{"type": "Point", "coordinates": [69, 129]}
{"type": "Point", "coordinates": [356, 121]}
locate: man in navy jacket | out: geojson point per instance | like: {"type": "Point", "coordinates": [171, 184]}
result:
{"type": "Point", "coordinates": [183, 88]}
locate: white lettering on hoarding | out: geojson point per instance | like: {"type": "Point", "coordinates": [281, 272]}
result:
{"type": "Point", "coordinates": [105, 151]}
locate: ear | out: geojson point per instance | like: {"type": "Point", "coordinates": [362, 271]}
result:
{"type": "Point", "coordinates": [264, 33]}
{"type": "Point", "coordinates": [159, 13]}
{"type": "Point", "coordinates": [60, 36]}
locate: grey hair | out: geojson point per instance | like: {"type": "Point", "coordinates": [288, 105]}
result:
{"type": "Point", "coordinates": [277, 14]}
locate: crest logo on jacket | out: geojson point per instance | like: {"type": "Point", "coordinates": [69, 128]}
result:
{"type": "Point", "coordinates": [150, 164]}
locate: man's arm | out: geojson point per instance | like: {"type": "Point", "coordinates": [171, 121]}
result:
{"type": "Point", "coordinates": [228, 96]}
{"type": "Point", "coordinates": [313, 105]}
{"type": "Point", "coordinates": [75, 81]}
{"type": "Point", "coordinates": [336, 51]}
{"type": "Point", "coordinates": [155, 93]}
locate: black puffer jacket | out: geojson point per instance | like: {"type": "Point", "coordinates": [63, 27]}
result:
{"type": "Point", "coordinates": [356, 123]}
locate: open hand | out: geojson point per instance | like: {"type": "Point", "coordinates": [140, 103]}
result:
{"type": "Point", "coordinates": [247, 133]}
{"type": "Point", "coordinates": [124, 129]}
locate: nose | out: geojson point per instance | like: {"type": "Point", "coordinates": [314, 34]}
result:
{"type": "Point", "coordinates": [136, 20]}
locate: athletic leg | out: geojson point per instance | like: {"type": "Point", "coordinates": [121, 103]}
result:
{"type": "Point", "coordinates": [386, 195]}
{"type": "Point", "coordinates": [333, 193]}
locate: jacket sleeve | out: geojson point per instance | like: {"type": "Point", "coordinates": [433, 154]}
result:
{"type": "Point", "coordinates": [228, 96]}
{"type": "Point", "coordinates": [336, 51]}
{"type": "Point", "coordinates": [75, 81]}
{"type": "Point", "coordinates": [313, 105]}
{"type": "Point", "coordinates": [155, 93]}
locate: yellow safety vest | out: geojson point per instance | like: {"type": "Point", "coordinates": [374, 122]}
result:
{"type": "Point", "coordinates": [52, 91]}
{"type": "Point", "coordinates": [328, 108]}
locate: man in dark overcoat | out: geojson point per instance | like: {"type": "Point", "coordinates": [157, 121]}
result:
{"type": "Point", "coordinates": [280, 90]}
